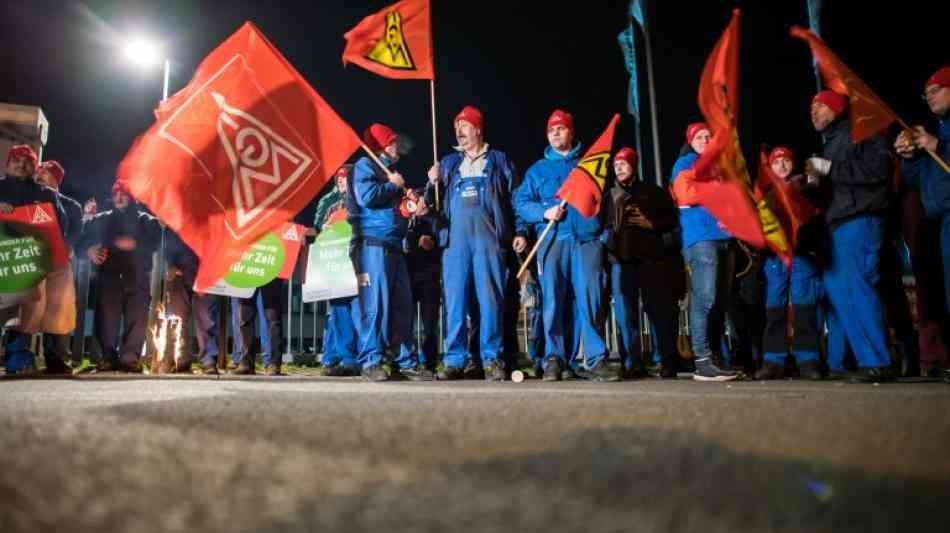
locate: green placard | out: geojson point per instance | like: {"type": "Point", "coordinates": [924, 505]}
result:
{"type": "Point", "coordinates": [24, 261]}
{"type": "Point", "coordinates": [329, 269]}
{"type": "Point", "coordinates": [259, 265]}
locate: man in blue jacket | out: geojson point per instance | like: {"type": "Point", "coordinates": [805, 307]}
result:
{"type": "Point", "coordinates": [859, 176]}
{"type": "Point", "coordinates": [923, 172]}
{"type": "Point", "coordinates": [570, 258]}
{"type": "Point", "coordinates": [383, 315]}
{"type": "Point", "coordinates": [477, 181]}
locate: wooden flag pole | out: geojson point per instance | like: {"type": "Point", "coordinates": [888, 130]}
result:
{"type": "Point", "coordinates": [933, 154]}
{"type": "Point", "coordinates": [435, 149]}
{"type": "Point", "coordinates": [376, 159]}
{"type": "Point", "coordinates": [534, 250]}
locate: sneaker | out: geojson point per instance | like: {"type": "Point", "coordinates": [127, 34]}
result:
{"type": "Point", "coordinates": [769, 371]}
{"type": "Point", "coordinates": [375, 373]}
{"type": "Point", "coordinates": [418, 373]}
{"type": "Point", "coordinates": [810, 370]}
{"type": "Point", "coordinates": [707, 371]}
{"type": "Point", "coordinates": [872, 375]}
{"type": "Point", "coordinates": [473, 370]}
{"type": "Point", "coordinates": [450, 373]}
{"type": "Point", "coordinates": [496, 372]}
{"type": "Point", "coordinates": [603, 373]}
{"type": "Point", "coordinates": [553, 371]}
{"type": "Point", "coordinates": [273, 370]}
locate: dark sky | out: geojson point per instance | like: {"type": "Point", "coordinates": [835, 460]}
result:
{"type": "Point", "coordinates": [517, 61]}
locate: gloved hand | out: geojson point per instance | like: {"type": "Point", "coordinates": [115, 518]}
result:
{"type": "Point", "coordinates": [817, 166]}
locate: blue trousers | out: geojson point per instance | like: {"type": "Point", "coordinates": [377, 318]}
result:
{"type": "Point", "coordinates": [625, 288]}
{"type": "Point", "coordinates": [573, 271]}
{"type": "Point", "coordinates": [710, 264]}
{"type": "Point", "coordinates": [801, 283]}
{"type": "Point", "coordinates": [383, 314]}
{"type": "Point", "coordinates": [850, 281]}
{"type": "Point", "coordinates": [339, 337]}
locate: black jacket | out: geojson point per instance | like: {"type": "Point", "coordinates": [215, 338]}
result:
{"type": "Point", "coordinates": [19, 192]}
{"type": "Point", "coordinates": [860, 176]}
{"type": "Point", "coordinates": [629, 242]}
{"type": "Point", "coordinates": [109, 225]}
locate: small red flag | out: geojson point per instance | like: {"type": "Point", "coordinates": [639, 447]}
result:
{"type": "Point", "coordinates": [241, 149]}
{"type": "Point", "coordinates": [789, 205]}
{"type": "Point", "coordinates": [395, 42]}
{"type": "Point", "coordinates": [584, 186]}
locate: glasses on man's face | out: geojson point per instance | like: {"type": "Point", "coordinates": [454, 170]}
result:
{"type": "Point", "coordinates": [929, 93]}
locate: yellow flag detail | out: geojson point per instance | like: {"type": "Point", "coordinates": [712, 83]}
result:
{"type": "Point", "coordinates": [596, 165]}
{"type": "Point", "coordinates": [392, 50]}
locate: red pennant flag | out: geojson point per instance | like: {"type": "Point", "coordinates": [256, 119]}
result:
{"type": "Point", "coordinates": [241, 149]}
{"type": "Point", "coordinates": [720, 178]}
{"type": "Point", "coordinates": [584, 186]}
{"type": "Point", "coordinates": [789, 205]}
{"type": "Point", "coordinates": [395, 42]}
{"type": "Point", "coordinates": [869, 114]}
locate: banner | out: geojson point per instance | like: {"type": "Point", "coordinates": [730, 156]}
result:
{"type": "Point", "coordinates": [31, 245]}
{"type": "Point", "coordinates": [273, 256]}
{"type": "Point", "coordinates": [330, 272]}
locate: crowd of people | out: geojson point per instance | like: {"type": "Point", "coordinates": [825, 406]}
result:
{"type": "Point", "coordinates": [835, 310]}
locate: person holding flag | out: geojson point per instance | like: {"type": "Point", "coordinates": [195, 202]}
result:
{"type": "Point", "coordinates": [926, 175]}
{"type": "Point", "coordinates": [478, 182]}
{"type": "Point", "coordinates": [859, 174]}
{"type": "Point", "coordinates": [372, 203]}
{"type": "Point", "coordinates": [570, 243]}
{"type": "Point", "coordinates": [799, 279]}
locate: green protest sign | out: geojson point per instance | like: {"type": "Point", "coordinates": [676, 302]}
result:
{"type": "Point", "coordinates": [330, 273]}
{"type": "Point", "coordinates": [24, 262]}
{"type": "Point", "coordinates": [259, 265]}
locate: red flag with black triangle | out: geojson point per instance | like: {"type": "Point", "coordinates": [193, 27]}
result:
{"type": "Point", "coordinates": [584, 186]}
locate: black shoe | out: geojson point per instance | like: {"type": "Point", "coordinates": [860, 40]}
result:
{"type": "Point", "coordinates": [810, 370]}
{"type": "Point", "coordinates": [107, 364]}
{"type": "Point", "coordinates": [473, 370]}
{"type": "Point", "coordinates": [872, 375]}
{"type": "Point", "coordinates": [375, 373]}
{"type": "Point", "coordinates": [668, 368]}
{"type": "Point", "coordinates": [184, 365]}
{"type": "Point", "coordinates": [419, 373]}
{"type": "Point", "coordinates": [243, 370]}
{"type": "Point", "coordinates": [603, 373]}
{"type": "Point", "coordinates": [946, 376]}
{"type": "Point", "coordinates": [570, 373]}
{"type": "Point", "coordinates": [209, 369]}
{"type": "Point", "coordinates": [707, 371]}
{"type": "Point", "coordinates": [339, 370]}
{"type": "Point", "coordinates": [496, 372]}
{"type": "Point", "coordinates": [770, 371]}
{"type": "Point", "coordinates": [553, 371]}
{"type": "Point", "coordinates": [273, 370]}
{"type": "Point", "coordinates": [56, 367]}
{"type": "Point", "coordinates": [132, 366]}
{"type": "Point", "coordinates": [637, 371]}
{"type": "Point", "coordinates": [450, 373]}
{"type": "Point", "coordinates": [838, 375]}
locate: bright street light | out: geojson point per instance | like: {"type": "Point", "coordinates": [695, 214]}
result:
{"type": "Point", "coordinates": [142, 52]}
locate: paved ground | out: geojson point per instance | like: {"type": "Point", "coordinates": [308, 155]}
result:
{"type": "Point", "coordinates": [319, 454]}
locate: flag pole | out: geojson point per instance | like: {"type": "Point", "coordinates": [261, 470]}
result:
{"type": "Point", "coordinates": [435, 149]}
{"type": "Point", "coordinates": [654, 124]}
{"type": "Point", "coordinates": [537, 244]}
{"type": "Point", "coordinates": [933, 154]}
{"type": "Point", "coordinates": [376, 159]}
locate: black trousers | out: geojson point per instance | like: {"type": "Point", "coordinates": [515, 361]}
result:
{"type": "Point", "coordinates": [271, 296]}
{"type": "Point", "coordinates": [123, 295]}
{"type": "Point", "coordinates": [186, 303]}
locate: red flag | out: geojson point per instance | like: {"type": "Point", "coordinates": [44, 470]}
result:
{"type": "Point", "coordinates": [720, 177]}
{"type": "Point", "coordinates": [395, 42]}
{"type": "Point", "coordinates": [244, 147]}
{"type": "Point", "coordinates": [869, 114]}
{"type": "Point", "coordinates": [584, 186]}
{"type": "Point", "coordinates": [789, 205]}
{"type": "Point", "coordinates": [39, 221]}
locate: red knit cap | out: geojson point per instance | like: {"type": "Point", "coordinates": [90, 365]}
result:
{"type": "Point", "coordinates": [781, 152]}
{"type": "Point", "coordinates": [119, 186]}
{"type": "Point", "coordinates": [342, 172]}
{"type": "Point", "coordinates": [55, 169]}
{"type": "Point", "coordinates": [22, 150]}
{"type": "Point", "coordinates": [561, 118]}
{"type": "Point", "coordinates": [941, 78]}
{"type": "Point", "coordinates": [836, 102]}
{"type": "Point", "coordinates": [695, 128]}
{"type": "Point", "coordinates": [378, 137]}
{"type": "Point", "coordinates": [629, 155]}
{"type": "Point", "coordinates": [472, 115]}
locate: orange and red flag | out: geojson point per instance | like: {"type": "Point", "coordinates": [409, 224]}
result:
{"type": "Point", "coordinates": [869, 114]}
{"type": "Point", "coordinates": [789, 205]}
{"type": "Point", "coordinates": [395, 42]}
{"type": "Point", "coordinates": [241, 149]}
{"type": "Point", "coordinates": [584, 186]}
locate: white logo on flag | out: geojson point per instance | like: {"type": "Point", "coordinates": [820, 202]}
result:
{"type": "Point", "coordinates": [40, 216]}
{"type": "Point", "coordinates": [291, 234]}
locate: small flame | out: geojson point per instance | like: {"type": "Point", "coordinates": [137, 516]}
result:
{"type": "Point", "coordinates": [165, 325]}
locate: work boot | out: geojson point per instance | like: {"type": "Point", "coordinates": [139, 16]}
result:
{"type": "Point", "coordinates": [634, 371]}
{"type": "Point", "coordinates": [339, 370]}
{"type": "Point", "coordinates": [272, 370]}
{"type": "Point", "coordinates": [375, 373]}
{"type": "Point", "coordinates": [209, 368]}
{"type": "Point", "coordinates": [130, 364]}
{"type": "Point", "coordinates": [450, 373]}
{"type": "Point", "coordinates": [183, 365]}
{"type": "Point", "coordinates": [667, 368]}
{"type": "Point", "coordinates": [810, 370]}
{"type": "Point", "coordinates": [872, 375]}
{"type": "Point", "coordinates": [473, 370]}
{"type": "Point", "coordinates": [496, 372]}
{"type": "Point", "coordinates": [706, 370]}
{"type": "Point", "coordinates": [55, 366]}
{"type": "Point", "coordinates": [553, 371]}
{"type": "Point", "coordinates": [603, 373]}
{"type": "Point", "coordinates": [245, 367]}
{"type": "Point", "coordinates": [419, 373]}
{"type": "Point", "coordinates": [769, 371]}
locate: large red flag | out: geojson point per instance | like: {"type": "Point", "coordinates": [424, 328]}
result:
{"type": "Point", "coordinates": [719, 178]}
{"type": "Point", "coordinates": [869, 114]}
{"type": "Point", "coordinates": [244, 147]}
{"type": "Point", "coordinates": [789, 205]}
{"type": "Point", "coordinates": [584, 186]}
{"type": "Point", "coordinates": [395, 42]}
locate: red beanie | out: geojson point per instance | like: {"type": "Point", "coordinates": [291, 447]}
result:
{"type": "Point", "coordinates": [472, 115]}
{"type": "Point", "coordinates": [561, 118]}
{"type": "Point", "coordinates": [779, 152]}
{"type": "Point", "coordinates": [941, 78]}
{"type": "Point", "coordinates": [119, 186]}
{"type": "Point", "coordinates": [695, 128]}
{"type": "Point", "coordinates": [629, 155]}
{"type": "Point", "coordinates": [22, 150]}
{"type": "Point", "coordinates": [378, 137]}
{"type": "Point", "coordinates": [54, 169]}
{"type": "Point", "coordinates": [837, 102]}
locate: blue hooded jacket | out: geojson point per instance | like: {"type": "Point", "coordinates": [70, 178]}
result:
{"type": "Point", "coordinates": [933, 182]}
{"type": "Point", "coordinates": [697, 223]}
{"type": "Point", "coordinates": [372, 206]}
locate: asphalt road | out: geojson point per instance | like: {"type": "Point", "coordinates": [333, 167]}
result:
{"type": "Point", "coordinates": [102, 454]}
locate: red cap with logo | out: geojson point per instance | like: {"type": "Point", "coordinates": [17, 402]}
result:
{"type": "Point", "coordinates": [378, 137]}
{"type": "Point", "coordinates": [561, 118]}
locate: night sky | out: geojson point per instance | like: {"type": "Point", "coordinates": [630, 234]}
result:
{"type": "Point", "coordinates": [517, 61]}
